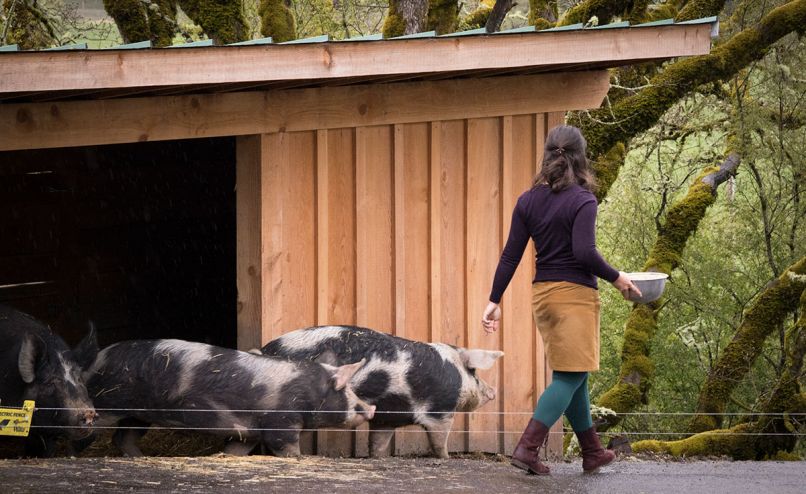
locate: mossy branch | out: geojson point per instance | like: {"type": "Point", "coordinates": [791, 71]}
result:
{"type": "Point", "coordinates": [543, 13]}
{"type": "Point", "coordinates": [760, 320]}
{"type": "Point", "coordinates": [443, 16]}
{"type": "Point", "coordinates": [276, 20]}
{"type": "Point", "coordinates": [603, 10]}
{"type": "Point", "coordinates": [697, 9]}
{"type": "Point", "coordinates": [682, 220]}
{"type": "Point", "coordinates": [221, 20]}
{"type": "Point", "coordinates": [637, 113]}
{"type": "Point", "coordinates": [747, 441]}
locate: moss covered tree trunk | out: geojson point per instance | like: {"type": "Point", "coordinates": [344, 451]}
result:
{"type": "Point", "coordinates": [405, 17]}
{"type": "Point", "coordinates": [762, 318]}
{"type": "Point", "coordinates": [26, 26]}
{"type": "Point", "coordinates": [682, 220]}
{"type": "Point", "coordinates": [603, 10]}
{"type": "Point", "coordinates": [221, 20]}
{"type": "Point", "coordinates": [153, 20]}
{"type": "Point", "coordinates": [443, 16]}
{"type": "Point", "coordinates": [276, 20]}
{"type": "Point", "coordinates": [543, 14]}
{"type": "Point", "coordinates": [769, 434]}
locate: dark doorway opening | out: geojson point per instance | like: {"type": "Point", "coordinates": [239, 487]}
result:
{"type": "Point", "coordinates": [138, 238]}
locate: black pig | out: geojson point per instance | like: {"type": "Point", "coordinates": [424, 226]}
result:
{"type": "Point", "coordinates": [247, 398]}
{"type": "Point", "coordinates": [409, 381]}
{"type": "Point", "coordinates": [37, 365]}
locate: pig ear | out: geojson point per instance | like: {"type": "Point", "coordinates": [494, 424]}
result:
{"type": "Point", "coordinates": [27, 359]}
{"type": "Point", "coordinates": [87, 349]}
{"type": "Point", "coordinates": [479, 359]}
{"type": "Point", "coordinates": [343, 374]}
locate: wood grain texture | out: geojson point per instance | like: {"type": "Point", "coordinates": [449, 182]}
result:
{"type": "Point", "coordinates": [319, 62]}
{"type": "Point", "coordinates": [249, 156]}
{"type": "Point", "coordinates": [483, 249]}
{"type": "Point", "coordinates": [82, 123]}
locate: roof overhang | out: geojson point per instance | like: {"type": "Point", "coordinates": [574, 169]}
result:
{"type": "Point", "coordinates": [102, 74]}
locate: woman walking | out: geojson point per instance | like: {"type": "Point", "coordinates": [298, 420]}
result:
{"type": "Point", "coordinates": [559, 214]}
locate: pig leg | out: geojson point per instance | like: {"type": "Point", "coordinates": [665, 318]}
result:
{"type": "Point", "coordinates": [379, 440]}
{"type": "Point", "coordinates": [438, 431]}
{"type": "Point", "coordinates": [126, 439]}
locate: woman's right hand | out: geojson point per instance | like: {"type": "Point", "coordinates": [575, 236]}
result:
{"type": "Point", "coordinates": [491, 317]}
{"type": "Point", "coordinates": [626, 286]}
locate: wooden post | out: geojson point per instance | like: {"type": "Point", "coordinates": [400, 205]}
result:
{"type": "Point", "coordinates": [250, 166]}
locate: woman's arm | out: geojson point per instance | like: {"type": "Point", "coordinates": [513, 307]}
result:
{"type": "Point", "coordinates": [507, 264]}
{"type": "Point", "coordinates": [583, 243]}
{"type": "Point", "coordinates": [511, 255]}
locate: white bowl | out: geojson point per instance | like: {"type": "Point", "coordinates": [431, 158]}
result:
{"type": "Point", "coordinates": [651, 285]}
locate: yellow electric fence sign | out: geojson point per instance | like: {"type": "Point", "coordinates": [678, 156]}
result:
{"type": "Point", "coordinates": [16, 421]}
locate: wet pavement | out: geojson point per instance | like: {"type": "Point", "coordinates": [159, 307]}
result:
{"type": "Point", "coordinates": [313, 474]}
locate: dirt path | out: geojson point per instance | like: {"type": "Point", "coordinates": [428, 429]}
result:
{"type": "Point", "coordinates": [327, 475]}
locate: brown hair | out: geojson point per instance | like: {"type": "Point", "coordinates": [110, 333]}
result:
{"type": "Point", "coordinates": [564, 160]}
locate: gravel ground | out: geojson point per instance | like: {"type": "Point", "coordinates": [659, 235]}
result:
{"type": "Point", "coordinates": [312, 474]}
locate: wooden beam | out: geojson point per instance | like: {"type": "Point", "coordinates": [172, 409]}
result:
{"type": "Point", "coordinates": [85, 123]}
{"type": "Point", "coordinates": [250, 165]}
{"type": "Point", "coordinates": [50, 71]}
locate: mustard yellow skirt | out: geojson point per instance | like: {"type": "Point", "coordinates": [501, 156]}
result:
{"type": "Point", "coordinates": [567, 317]}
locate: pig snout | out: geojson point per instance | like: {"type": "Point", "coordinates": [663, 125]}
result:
{"type": "Point", "coordinates": [88, 417]}
{"type": "Point", "coordinates": [489, 394]}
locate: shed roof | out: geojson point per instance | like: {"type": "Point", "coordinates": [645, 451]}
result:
{"type": "Point", "coordinates": [136, 70]}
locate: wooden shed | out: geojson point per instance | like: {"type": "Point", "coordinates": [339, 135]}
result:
{"type": "Point", "coordinates": [259, 188]}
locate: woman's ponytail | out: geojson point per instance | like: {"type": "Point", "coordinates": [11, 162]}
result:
{"type": "Point", "coordinates": [564, 161]}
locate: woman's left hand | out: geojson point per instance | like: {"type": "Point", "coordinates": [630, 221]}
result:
{"type": "Point", "coordinates": [491, 317]}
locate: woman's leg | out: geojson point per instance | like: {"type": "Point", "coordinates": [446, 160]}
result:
{"type": "Point", "coordinates": [579, 409]}
{"type": "Point", "coordinates": [550, 407]}
{"type": "Point", "coordinates": [559, 395]}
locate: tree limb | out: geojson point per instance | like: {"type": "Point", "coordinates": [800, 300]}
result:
{"type": "Point", "coordinates": [760, 320]}
{"type": "Point", "coordinates": [499, 12]}
{"type": "Point", "coordinates": [635, 114]}
{"type": "Point", "coordinates": [770, 433]}
{"type": "Point", "coordinates": [682, 220]}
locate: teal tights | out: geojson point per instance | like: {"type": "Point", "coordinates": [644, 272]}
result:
{"type": "Point", "coordinates": [567, 393]}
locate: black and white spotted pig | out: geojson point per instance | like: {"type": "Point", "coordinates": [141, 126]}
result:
{"type": "Point", "coordinates": [163, 382]}
{"type": "Point", "coordinates": [419, 383]}
{"type": "Point", "coordinates": [36, 364]}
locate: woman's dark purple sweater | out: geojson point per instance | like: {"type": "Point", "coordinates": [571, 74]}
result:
{"type": "Point", "coordinates": [562, 225]}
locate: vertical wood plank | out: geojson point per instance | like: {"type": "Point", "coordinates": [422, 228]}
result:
{"type": "Point", "coordinates": [275, 149]}
{"type": "Point", "coordinates": [449, 189]}
{"type": "Point", "coordinates": [374, 238]}
{"type": "Point", "coordinates": [555, 442]}
{"type": "Point", "coordinates": [483, 235]}
{"type": "Point", "coordinates": [413, 234]}
{"type": "Point", "coordinates": [291, 243]}
{"type": "Point", "coordinates": [248, 240]}
{"type": "Point", "coordinates": [336, 304]}
{"type": "Point", "coordinates": [518, 328]}
{"type": "Point", "coordinates": [299, 232]}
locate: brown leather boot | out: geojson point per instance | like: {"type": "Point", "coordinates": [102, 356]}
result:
{"type": "Point", "coordinates": [526, 455]}
{"type": "Point", "coordinates": [593, 454]}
